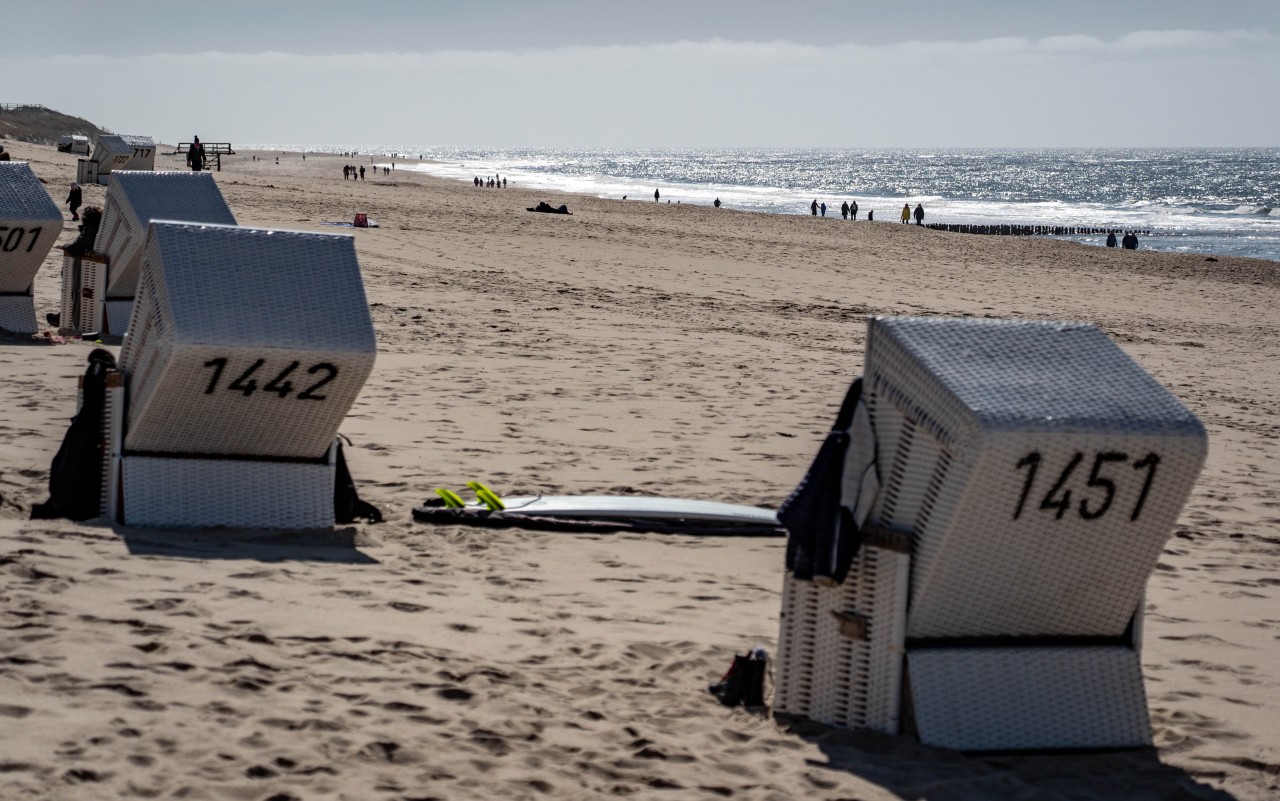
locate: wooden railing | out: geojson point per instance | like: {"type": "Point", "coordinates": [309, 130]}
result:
{"type": "Point", "coordinates": [212, 150]}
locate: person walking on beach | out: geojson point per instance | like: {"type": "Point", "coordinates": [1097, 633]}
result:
{"type": "Point", "coordinates": [1130, 241]}
{"type": "Point", "coordinates": [844, 211]}
{"type": "Point", "coordinates": [73, 200]}
{"type": "Point", "coordinates": [813, 207]}
{"type": "Point", "coordinates": [656, 195]}
{"type": "Point", "coordinates": [906, 213]}
{"type": "Point", "coordinates": [717, 203]}
{"type": "Point", "coordinates": [919, 214]}
{"type": "Point", "coordinates": [361, 172]}
{"type": "Point", "coordinates": [871, 215]}
{"type": "Point", "coordinates": [823, 207]}
{"type": "Point", "coordinates": [195, 155]}
{"type": "Point", "coordinates": [1111, 239]}
{"type": "Point", "coordinates": [853, 210]}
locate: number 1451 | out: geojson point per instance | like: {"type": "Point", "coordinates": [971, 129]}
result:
{"type": "Point", "coordinates": [1100, 489]}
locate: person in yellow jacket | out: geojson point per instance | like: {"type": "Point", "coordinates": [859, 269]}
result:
{"type": "Point", "coordinates": [906, 213]}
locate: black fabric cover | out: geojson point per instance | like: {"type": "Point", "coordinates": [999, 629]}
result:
{"type": "Point", "coordinates": [75, 477]}
{"type": "Point", "coordinates": [347, 506]}
{"type": "Point", "coordinates": [822, 535]}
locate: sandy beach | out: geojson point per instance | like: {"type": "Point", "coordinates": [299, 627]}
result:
{"type": "Point", "coordinates": [632, 347]}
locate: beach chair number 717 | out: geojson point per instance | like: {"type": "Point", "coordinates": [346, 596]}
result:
{"type": "Point", "coordinates": [280, 385]}
{"type": "Point", "coordinates": [1058, 498]}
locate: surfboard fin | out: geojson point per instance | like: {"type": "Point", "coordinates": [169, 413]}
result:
{"type": "Point", "coordinates": [451, 499]}
{"type": "Point", "coordinates": [487, 496]}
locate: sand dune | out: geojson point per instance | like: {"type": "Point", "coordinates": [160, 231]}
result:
{"type": "Point", "coordinates": [631, 347]}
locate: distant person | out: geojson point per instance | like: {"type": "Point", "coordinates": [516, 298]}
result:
{"type": "Point", "coordinates": [919, 214]}
{"type": "Point", "coordinates": [73, 200]}
{"type": "Point", "coordinates": [1111, 239]}
{"type": "Point", "coordinates": [844, 210]}
{"type": "Point", "coordinates": [813, 207]}
{"type": "Point", "coordinates": [1130, 241]}
{"type": "Point", "coordinates": [656, 196]}
{"type": "Point", "coordinates": [195, 155]}
{"type": "Point", "coordinates": [475, 181]}
{"type": "Point", "coordinates": [871, 215]}
{"type": "Point", "coordinates": [346, 172]}
{"type": "Point", "coordinates": [823, 209]}
{"type": "Point", "coordinates": [504, 183]}
{"type": "Point", "coordinates": [906, 213]}
{"type": "Point", "coordinates": [853, 210]}
{"type": "Point", "coordinates": [361, 172]}
{"type": "Point", "coordinates": [88, 233]}
{"type": "Point", "coordinates": [717, 203]}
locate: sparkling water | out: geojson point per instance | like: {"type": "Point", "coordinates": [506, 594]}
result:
{"type": "Point", "coordinates": [1200, 200]}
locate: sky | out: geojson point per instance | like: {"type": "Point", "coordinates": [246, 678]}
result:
{"type": "Point", "coordinates": [398, 74]}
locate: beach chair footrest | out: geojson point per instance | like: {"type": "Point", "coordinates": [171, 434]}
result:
{"type": "Point", "coordinates": [180, 492]}
{"type": "Point", "coordinates": [1029, 698]}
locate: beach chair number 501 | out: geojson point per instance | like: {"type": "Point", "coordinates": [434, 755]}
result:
{"type": "Point", "coordinates": [1101, 489]}
{"type": "Point", "coordinates": [13, 240]}
{"type": "Point", "coordinates": [280, 385]}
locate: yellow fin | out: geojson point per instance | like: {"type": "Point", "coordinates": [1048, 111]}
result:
{"type": "Point", "coordinates": [451, 499]}
{"type": "Point", "coordinates": [487, 496]}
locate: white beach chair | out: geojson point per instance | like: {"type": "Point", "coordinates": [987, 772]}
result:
{"type": "Point", "coordinates": [84, 285]}
{"type": "Point", "coordinates": [30, 222]}
{"type": "Point", "coordinates": [116, 152]}
{"type": "Point", "coordinates": [134, 199]}
{"type": "Point", "coordinates": [1029, 475]}
{"type": "Point", "coordinates": [247, 348]}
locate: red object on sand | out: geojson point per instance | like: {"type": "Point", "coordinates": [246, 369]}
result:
{"type": "Point", "coordinates": [362, 220]}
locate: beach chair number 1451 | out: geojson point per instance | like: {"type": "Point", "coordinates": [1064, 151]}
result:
{"type": "Point", "coordinates": [1059, 495]}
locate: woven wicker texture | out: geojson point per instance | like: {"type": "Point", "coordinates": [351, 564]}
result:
{"type": "Point", "coordinates": [117, 314]}
{"type": "Point", "coordinates": [833, 678]}
{"type": "Point", "coordinates": [202, 493]}
{"type": "Point", "coordinates": [134, 199]}
{"type": "Point", "coordinates": [30, 223]}
{"type": "Point", "coordinates": [245, 341]}
{"type": "Point", "coordinates": [84, 283]}
{"type": "Point", "coordinates": [1029, 698]}
{"type": "Point", "coordinates": [18, 314]}
{"type": "Point", "coordinates": [1040, 468]}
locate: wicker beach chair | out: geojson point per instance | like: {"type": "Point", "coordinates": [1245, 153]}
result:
{"type": "Point", "coordinates": [1029, 475]}
{"type": "Point", "coordinates": [247, 348]}
{"type": "Point", "coordinates": [30, 222]}
{"type": "Point", "coordinates": [113, 152]}
{"type": "Point", "coordinates": [84, 285]}
{"type": "Point", "coordinates": [134, 199]}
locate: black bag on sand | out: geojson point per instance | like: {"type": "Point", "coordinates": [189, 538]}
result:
{"type": "Point", "coordinates": [743, 684]}
{"type": "Point", "coordinates": [75, 477]}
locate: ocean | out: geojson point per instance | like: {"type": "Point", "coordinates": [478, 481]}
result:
{"type": "Point", "coordinates": [1223, 201]}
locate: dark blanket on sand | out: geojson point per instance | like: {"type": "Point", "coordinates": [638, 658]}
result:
{"type": "Point", "coordinates": [549, 209]}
